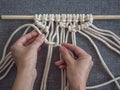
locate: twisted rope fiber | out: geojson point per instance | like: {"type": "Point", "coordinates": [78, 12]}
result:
{"type": "Point", "coordinates": [57, 34]}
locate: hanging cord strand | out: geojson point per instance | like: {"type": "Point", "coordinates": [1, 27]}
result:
{"type": "Point", "coordinates": [51, 51]}
{"type": "Point", "coordinates": [105, 31]}
{"type": "Point", "coordinates": [7, 43]}
{"type": "Point", "coordinates": [103, 41]}
{"type": "Point", "coordinates": [48, 61]}
{"type": "Point", "coordinates": [8, 63]}
{"type": "Point", "coordinates": [5, 48]}
{"type": "Point", "coordinates": [102, 62]}
{"type": "Point", "coordinates": [6, 60]}
{"type": "Point", "coordinates": [115, 42]}
{"type": "Point", "coordinates": [112, 36]}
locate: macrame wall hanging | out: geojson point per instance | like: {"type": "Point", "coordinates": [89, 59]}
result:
{"type": "Point", "coordinates": [57, 28]}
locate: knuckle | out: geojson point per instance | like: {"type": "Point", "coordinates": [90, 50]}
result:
{"type": "Point", "coordinates": [92, 63]}
{"type": "Point", "coordinates": [37, 41]}
{"type": "Point", "coordinates": [41, 40]}
{"type": "Point", "coordinates": [69, 62]}
{"type": "Point", "coordinates": [12, 47]}
{"type": "Point", "coordinates": [33, 45]}
{"type": "Point", "coordinates": [67, 59]}
{"type": "Point", "coordinates": [89, 58]}
{"type": "Point", "coordinates": [75, 47]}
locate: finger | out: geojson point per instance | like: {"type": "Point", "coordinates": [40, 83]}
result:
{"type": "Point", "coordinates": [30, 41]}
{"type": "Point", "coordinates": [62, 67]}
{"type": "Point", "coordinates": [38, 41]}
{"type": "Point", "coordinates": [39, 49]}
{"type": "Point", "coordinates": [77, 50]}
{"type": "Point", "coordinates": [66, 55]}
{"type": "Point", "coordinates": [26, 37]}
{"type": "Point", "coordinates": [60, 62]}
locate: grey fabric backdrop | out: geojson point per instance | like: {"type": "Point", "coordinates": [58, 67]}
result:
{"type": "Point", "coordinates": [98, 74]}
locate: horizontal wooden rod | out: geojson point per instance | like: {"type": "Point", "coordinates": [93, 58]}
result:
{"type": "Point", "coordinates": [19, 17]}
{"type": "Point", "coordinates": [31, 17]}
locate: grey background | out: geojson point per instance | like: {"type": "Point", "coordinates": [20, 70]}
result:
{"type": "Point", "coordinates": [98, 74]}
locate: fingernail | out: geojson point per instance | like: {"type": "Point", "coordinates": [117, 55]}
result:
{"type": "Point", "coordinates": [63, 44]}
{"type": "Point", "coordinates": [62, 48]}
{"type": "Point", "coordinates": [56, 63]}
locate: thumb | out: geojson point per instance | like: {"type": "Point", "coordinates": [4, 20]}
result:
{"type": "Point", "coordinates": [38, 41]}
{"type": "Point", "coordinates": [66, 55]}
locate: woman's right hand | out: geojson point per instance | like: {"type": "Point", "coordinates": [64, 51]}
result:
{"type": "Point", "coordinates": [77, 69]}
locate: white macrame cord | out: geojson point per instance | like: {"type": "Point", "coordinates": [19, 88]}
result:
{"type": "Point", "coordinates": [57, 28]}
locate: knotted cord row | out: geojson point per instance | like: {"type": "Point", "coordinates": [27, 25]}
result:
{"type": "Point", "coordinates": [57, 29]}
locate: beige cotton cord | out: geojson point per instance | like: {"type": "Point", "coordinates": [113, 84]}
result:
{"type": "Point", "coordinates": [57, 28]}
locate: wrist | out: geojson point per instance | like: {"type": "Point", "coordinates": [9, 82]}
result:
{"type": "Point", "coordinates": [25, 67]}
{"type": "Point", "coordinates": [27, 72]}
{"type": "Point", "coordinates": [25, 79]}
{"type": "Point", "coordinates": [77, 85]}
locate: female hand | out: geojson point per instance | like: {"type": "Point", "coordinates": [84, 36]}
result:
{"type": "Point", "coordinates": [77, 69]}
{"type": "Point", "coordinates": [25, 50]}
{"type": "Point", "coordinates": [24, 53]}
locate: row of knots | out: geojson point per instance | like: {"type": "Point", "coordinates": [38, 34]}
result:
{"type": "Point", "coordinates": [73, 22]}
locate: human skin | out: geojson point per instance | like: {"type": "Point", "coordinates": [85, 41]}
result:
{"type": "Point", "coordinates": [24, 53]}
{"type": "Point", "coordinates": [77, 68]}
